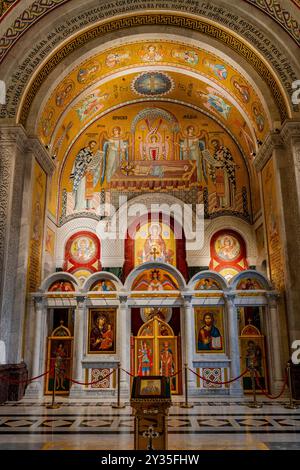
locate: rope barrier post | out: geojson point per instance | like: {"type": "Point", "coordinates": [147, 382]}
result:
{"type": "Point", "coordinates": [254, 404]}
{"type": "Point", "coordinates": [118, 405]}
{"type": "Point", "coordinates": [53, 405]}
{"type": "Point", "coordinates": [186, 403]}
{"type": "Point", "coordinates": [291, 405]}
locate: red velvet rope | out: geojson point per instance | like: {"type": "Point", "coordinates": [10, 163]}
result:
{"type": "Point", "coordinates": [272, 397]}
{"type": "Point", "coordinates": [90, 383]}
{"type": "Point", "coordinates": [219, 383]}
{"type": "Point", "coordinates": [16, 382]}
{"type": "Point", "coordinates": [128, 373]}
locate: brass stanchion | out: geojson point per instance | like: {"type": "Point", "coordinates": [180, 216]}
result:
{"type": "Point", "coordinates": [53, 405]}
{"type": "Point", "coordinates": [291, 405]}
{"type": "Point", "coordinates": [118, 405]}
{"type": "Point", "coordinates": [186, 403]}
{"type": "Point", "coordinates": [254, 404]}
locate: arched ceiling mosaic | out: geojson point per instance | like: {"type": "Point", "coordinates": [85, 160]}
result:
{"type": "Point", "coordinates": [277, 80]}
{"type": "Point", "coordinates": [149, 71]}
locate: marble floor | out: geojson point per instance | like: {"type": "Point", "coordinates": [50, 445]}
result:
{"type": "Point", "coordinates": [223, 424]}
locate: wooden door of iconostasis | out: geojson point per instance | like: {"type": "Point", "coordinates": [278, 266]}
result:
{"type": "Point", "coordinates": [155, 345]}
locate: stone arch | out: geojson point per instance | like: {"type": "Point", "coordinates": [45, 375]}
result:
{"type": "Point", "coordinates": [251, 273]}
{"type": "Point", "coordinates": [101, 275]}
{"type": "Point", "coordinates": [151, 265]}
{"type": "Point", "coordinates": [208, 274]}
{"type": "Point", "coordinates": [62, 275]}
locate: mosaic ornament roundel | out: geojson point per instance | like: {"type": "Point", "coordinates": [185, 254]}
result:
{"type": "Point", "coordinates": [152, 84]}
{"type": "Point", "coordinates": [227, 247]}
{"type": "Point", "coordinates": [83, 249]}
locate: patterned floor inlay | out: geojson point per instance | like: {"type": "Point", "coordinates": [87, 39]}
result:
{"type": "Point", "coordinates": [82, 425]}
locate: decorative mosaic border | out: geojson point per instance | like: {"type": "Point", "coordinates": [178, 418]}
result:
{"type": "Point", "coordinates": [29, 16]}
{"type": "Point", "coordinates": [155, 19]}
{"type": "Point", "coordinates": [41, 7]}
{"type": "Point", "coordinates": [282, 16]}
{"type": "Point", "coordinates": [6, 5]}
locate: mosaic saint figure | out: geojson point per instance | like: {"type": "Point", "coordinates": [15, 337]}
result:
{"type": "Point", "coordinates": [209, 336]}
{"type": "Point", "coordinates": [116, 58]}
{"type": "Point", "coordinates": [145, 360]}
{"type": "Point", "coordinates": [155, 283]}
{"type": "Point", "coordinates": [88, 72]}
{"type": "Point", "coordinates": [155, 247]}
{"type": "Point", "coordinates": [166, 360]}
{"type": "Point", "coordinates": [254, 356]}
{"type": "Point", "coordinates": [60, 367]}
{"type": "Point", "coordinates": [229, 248]}
{"type": "Point", "coordinates": [224, 175]}
{"type": "Point", "coordinates": [259, 119]}
{"type": "Point", "coordinates": [115, 151]}
{"type": "Point", "coordinates": [153, 149]}
{"type": "Point", "coordinates": [193, 148]}
{"type": "Point", "coordinates": [85, 175]}
{"type": "Point", "coordinates": [189, 56]}
{"type": "Point", "coordinates": [242, 90]}
{"type": "Point", "coordinates": [99, 335]}
{"type": "Point", "coordinates": [152, 54]}
{"type": "Point", "coordinates": [219, 70]}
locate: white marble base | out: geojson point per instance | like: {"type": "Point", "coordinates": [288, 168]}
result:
{"type": "Point", "coordinates": [34, 390]}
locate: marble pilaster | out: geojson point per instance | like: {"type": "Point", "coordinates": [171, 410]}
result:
{"type": "Point", "coordinates": [236, 388]}
{"type": "Point", "coordinates": [276, 365]}
{"type": "Point", "coordinates": [188, 343]}
{"type": "Point", "coordinates": [123, 326]}
{"type": "Point", "coordinates": [78, 371]}
{"type": "Point", "coordinates": [35, 388]}
{"type": "Point", "coordinates": [17, 154]}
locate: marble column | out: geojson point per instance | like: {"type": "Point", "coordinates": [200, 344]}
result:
{"type": "Point", "coordinates": [17, 154]}
{"type": "Point", "coordinates": [12, 161]}
{"type": "Point", "coordinates": [124, 344]}
{"type": "Point", "coordinates": [276, 363]}
{"type": "Point", "coordinates": [35, 388]}
{"type": "Point", "coordinates": [188, 345]}
{"type": "Point", "coordinates": [78, 371]}
{"type": "Point", "coordinates": [236, 388]}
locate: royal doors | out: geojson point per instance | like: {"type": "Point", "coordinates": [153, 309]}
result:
{"type": "Point", "coordinates": [156, 351]}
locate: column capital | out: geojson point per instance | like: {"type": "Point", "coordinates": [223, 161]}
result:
{"type": "Point", "coordinates": [13, 134]}
{"type": "Point", "coordinates": [290, 131]}
{"type": "Point", "coordinates": [80, 300]}
{"type": "Point", "coordinates": [272, 298]}
{"type": "Point", "coordinates": [273, 141]}
{"type": "Point", "coordinates": [38, 300]}
{"type": "Point", "coordinates": [187, 297]}
{"type": "Point", "coordinates": [229, 297]}
{"type": "Point", "coordinates": [123, 299]}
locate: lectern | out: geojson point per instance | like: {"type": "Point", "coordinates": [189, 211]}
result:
{"type": "Point", "coordinates": [151, 400]}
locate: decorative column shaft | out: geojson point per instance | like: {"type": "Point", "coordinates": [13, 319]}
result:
{"type": "Point", "coordinates": [189, 341]}
{"type": "Point", "coordinates": [35, 388]}
{"type": "Point", "coordinates": [276, 363]}
{"type": "Point", "coordinates": [12, 163]}
{"type": "Point", "coordinates": [78, 346]}
{"type": "Point", "coordinates": [236, 388]}
{"type": "Point", "coordinates": [17, 155]}
{"type": "Point", "coordinates": [124, 343]}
